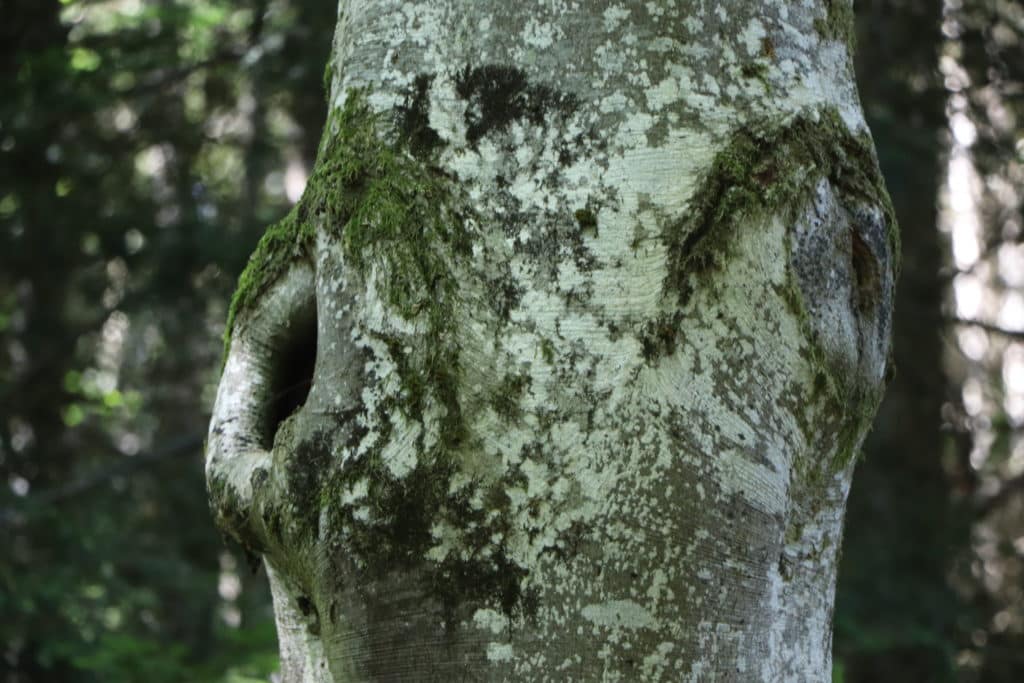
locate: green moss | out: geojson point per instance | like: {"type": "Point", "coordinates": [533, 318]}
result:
{"type": "Point", "coordinates": [838, 23]}
{"type": "Point", "coordinates": [305, 460]}
{"type": "Point", "coordinates": [328, 78]}
{"type": "Point", "coordinates": [773, 170]}
{"type": "Point", "coordinates": [393, 216]}
{"type": "Point", "coordinates": [507, 394]}
{"type": "Point", "coordinates": [390, 211]}
{"type": "Point", "coordinates": [396, 221]}
{"type": "Point", "coordinates": [282, 243]}
{"type": "Point", "coordinates": [838, 406]}
{"type": "Point", "coordinates": [766, 170]}
{"type": "Point", "coordinates": [547, 351]}
{"type": "Point", "coordinates": [386, 207]}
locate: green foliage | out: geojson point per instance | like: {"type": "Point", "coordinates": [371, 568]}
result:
{"type": "Point", "coordinates": [142, 151]}
{"type": "Point", "coordinates": [987, 47]}
{"type": "Point", "coordinates": [148, 660]}
{"type": "Point", "coordinates": [244, 655]}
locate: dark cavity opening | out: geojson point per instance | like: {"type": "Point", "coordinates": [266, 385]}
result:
{"type": "Point", "coordinates": [866, 273]}
{"type": "Point", "coordinates": [291, 374]}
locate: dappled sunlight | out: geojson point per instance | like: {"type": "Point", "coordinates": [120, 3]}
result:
{"type": "Point", "coordinates": [137, 143]}
{"type": "Point", "coordinates": [983, 218]}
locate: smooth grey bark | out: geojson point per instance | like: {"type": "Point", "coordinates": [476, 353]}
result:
{"type": "Point", "coordinates": [598, 296]}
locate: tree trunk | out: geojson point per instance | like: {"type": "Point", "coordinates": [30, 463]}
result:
{"type": "Point", "coordinates": [592, 303]}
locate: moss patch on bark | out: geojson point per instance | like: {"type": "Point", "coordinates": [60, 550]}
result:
{"type": "Point", "coordinates": [388, 210]}
{"type": "Point", "coordinates": [838, 23]}
{"type": "Point", "coordinates": [768, 171]}
{"type": "Point", "coordinates": [401, 230]}
{"type": "Point", "coordinates": [771, 170]}
{"type": "Point", "coordinates": [283, 243]}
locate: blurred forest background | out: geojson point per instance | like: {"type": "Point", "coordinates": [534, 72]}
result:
{"type": "Point", "coordinates": [145, 144]}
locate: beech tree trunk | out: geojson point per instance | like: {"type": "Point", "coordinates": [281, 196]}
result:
{"type": "Point", "coordinates": [559, 368]}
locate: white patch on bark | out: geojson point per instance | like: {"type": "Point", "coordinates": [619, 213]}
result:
{"type": "Point", "coordinates": [753, 34]}
{"type": "Point", "coordinates": [490, 620]}
{"type": "Point", "coordinates": [500, 652]}
{"type": "Point", "coordinates": [619, 614]}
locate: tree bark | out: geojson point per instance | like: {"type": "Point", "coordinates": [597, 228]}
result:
{"type": "Point", "coordinates": [592, 302]}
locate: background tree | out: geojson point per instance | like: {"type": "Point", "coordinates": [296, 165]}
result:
{"type": "Point", "coordinates": [982, 67]}
{"type": "Point", "coordinates": [593, 358]}
{"type": "Point", "coordinates": [897, 616]}
{"type": "Point", "coordinates": [125, 129]}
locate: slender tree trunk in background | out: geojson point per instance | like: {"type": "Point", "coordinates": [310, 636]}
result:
{"type": "Point", "coordinates": [895, 608]}
{"type": "Point", "coordinates": [592, 304]}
